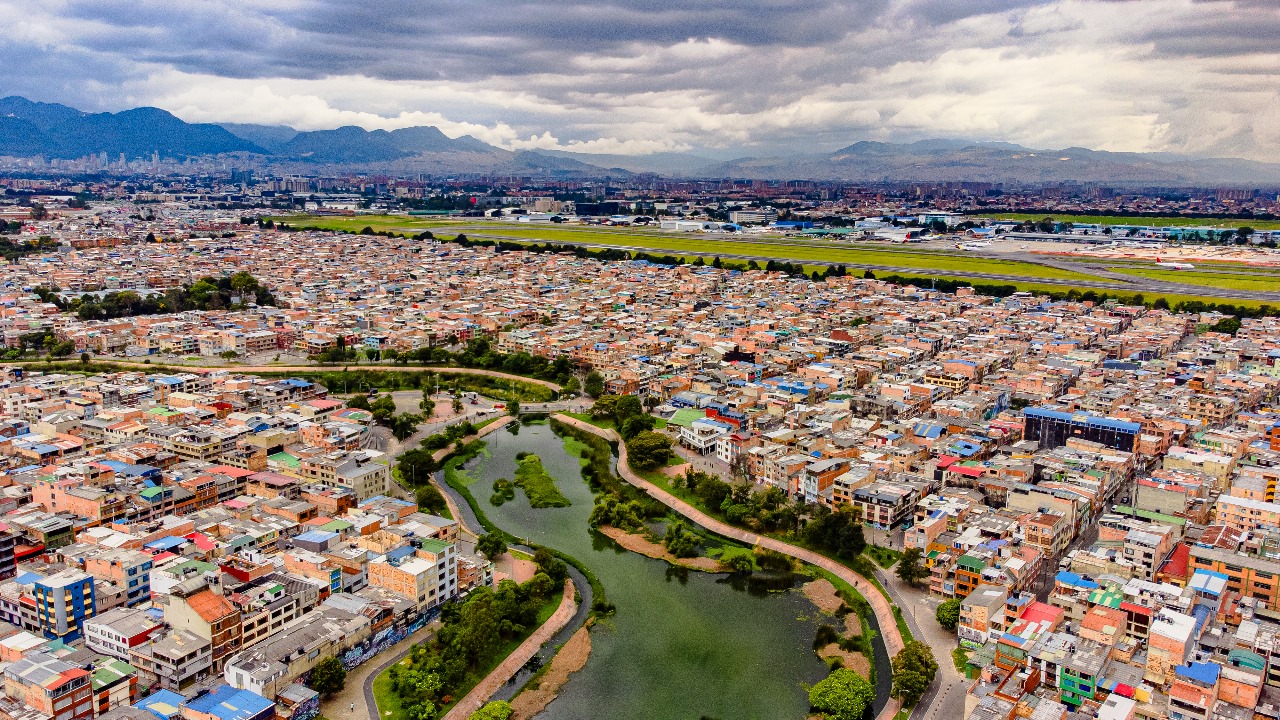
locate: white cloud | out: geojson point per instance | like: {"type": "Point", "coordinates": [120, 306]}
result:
{"type": "Point", "coordinates": [624, 77]}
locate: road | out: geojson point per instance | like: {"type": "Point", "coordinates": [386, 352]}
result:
{"type": "Point", "coordinates": [944, 700]}
{"type": "Point", "coordinates": [331, 368]}
{"type": "Point", "coordinates": [1118, 282]}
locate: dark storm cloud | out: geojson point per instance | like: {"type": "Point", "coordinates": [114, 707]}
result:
{"type": "Point", "coordinates": [431, 40]}
{"type": "Point", "coordinates": [764, 73]}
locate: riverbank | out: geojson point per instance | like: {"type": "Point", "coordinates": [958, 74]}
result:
{"type": "Point", "coordinates": [681, 644]}
{"type": "Point", "coordinates": [568, 660]}
{"type": "Point", "coordinates": [644, 546]}
{"type": "Point", "coordinates": [885, 619]}
{"type": "Point", "coordinates": [511, 664]}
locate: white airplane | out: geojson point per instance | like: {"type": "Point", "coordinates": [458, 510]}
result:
{"type": "Point", "coordinates": [973, 246]}
{"type": "Point", "coordinates": [1175, 265]}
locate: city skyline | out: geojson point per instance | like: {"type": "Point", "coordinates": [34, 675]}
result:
{"type": "Point", "coordinates": [643, 77]}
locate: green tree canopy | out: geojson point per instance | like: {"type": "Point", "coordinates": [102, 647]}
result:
{"type": "Point", "coordinates": [910, 571]}
{"type": "Point", "coordinates": [491, 545]}
{"type": "Point", "coordinates": [913, 670]}
{"type": "Point", "coordinates": [594, 384]}
{"type": "Point", "coordinates": [328, 676]}
{"type": "Point", "coordinates": [649, 450]}
{"type": "Point", "coordinates": [842, 695]}
{"type": "Point", "coordinates": [948, 614]}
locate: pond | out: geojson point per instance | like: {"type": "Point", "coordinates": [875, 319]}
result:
{"type": "Point", "coordinates": [684, 645]}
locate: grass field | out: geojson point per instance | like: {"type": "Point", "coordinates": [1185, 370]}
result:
{"type": "Point", "coordinates": [784, 250]}
{"type": "Point", "coordinates": [378, 223]}
{"type": "Point", "coordinates": [1209, 279]}
{"type": "Point", "coordinates": [1165, 221]}
{"type": "Point", "coordinates": [915, 262]}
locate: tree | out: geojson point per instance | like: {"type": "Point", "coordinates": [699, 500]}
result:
{"type": "Point", "coordinates": [491, 545]}
{"type": "Point", "coordinates": [360, 402]}
{"type": "Point", "coordinates": [84, 358]}
{"type": "Point", "coordinates": [430, 499]}
{"type": "Point", "coordinates": [513, 407]}
{"type": "Point", "coordinates": [648, 450]}
{"type": "Point", "coordinates": [495, 710]}
{"type": "Point", "coordinates": [948, 614]}
{"type": "Point", "coordinates": [913, 671]}
{"type": "Point", "coordinates": [1161, 304]}
{"type": "Point", "coordinates": [842, 695]}
{"type": "Point", "coordinates": [328, 676]}
{"type": "Point", "coordinates": [594, 384]}
{"type": "Point", "coordinates": [416, 466]}
{"type": "Point", "coordinates": [457, 405]}
{"type": "Point", "coordinates": [383, 407]}
{"type": "Point", "coordinates": [1229, 326]}
{"type": "Point", "coordinates": [404, 425]}
{"type": "Point", "coordinates": [627, 406]}
{"type": "Point", "coordinates": [680, 541]}
{"type": "Point", "coordinates": [39, 212]}
{"type": "Point", "coordinates": [910, 571]}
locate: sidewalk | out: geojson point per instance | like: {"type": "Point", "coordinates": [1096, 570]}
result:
{"type": "Point", "coordinates": [358, 689]}
{"type": "Point", "coordinates": [945, 698]}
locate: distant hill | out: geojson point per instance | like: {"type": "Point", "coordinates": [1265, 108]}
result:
{"type": "Point", "coordinates": [666, 163]}
{"type": "Point", "coordinates": [267, 137]}
{"type": "Point", "coordinates": [952, 160]}
{"type": "Point", "coordinates": [30, 128]}
{"type": "Point", "coordinates": [33, 128]}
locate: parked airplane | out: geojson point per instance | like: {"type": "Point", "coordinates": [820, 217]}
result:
{"type": "Point", "coordinates": [1175, 265]}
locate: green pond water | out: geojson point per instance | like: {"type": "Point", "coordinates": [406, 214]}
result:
{"type": "Point", "coordinates": [683, 645]}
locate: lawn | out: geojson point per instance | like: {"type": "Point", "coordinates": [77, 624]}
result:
{"type": "Point", "coordinates": [381, 223]}
{"type": "Point", "coordinates": [389, 705]}
{"type": "Point", "coordinates": [604, 423]}
{"type": "Point", "coordinates": [1162, 221]}
{"type": "Point", "coordinates": [1228, 281]}
{"type": "Point", "coordinates": [883, 556]}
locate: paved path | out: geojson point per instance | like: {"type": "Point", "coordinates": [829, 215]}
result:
{"type": "Point", "coordinates": [443, 370]}
{"type": "Point", "coordinates": [358, 690]}
{"type": "Point", "coordinates": [879, 605]}
{"type": "Point", "coordinates": [491, 427]}
{"type": "Point", "coordinates": [507, 669]}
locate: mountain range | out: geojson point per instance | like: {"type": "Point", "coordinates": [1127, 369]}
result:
{"type": "Point", "coordinates": [29, 128]}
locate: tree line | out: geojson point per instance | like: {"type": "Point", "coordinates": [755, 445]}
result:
{"type": "Point", "coordinates": [472, 634]}
{"type": "Point", "coordinates": [208, 293]}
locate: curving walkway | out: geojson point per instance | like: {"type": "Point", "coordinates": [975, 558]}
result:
{"type": "Point", "coordinates": [879, 605]}
{"type": "Point", "coordinates": [507, 669]}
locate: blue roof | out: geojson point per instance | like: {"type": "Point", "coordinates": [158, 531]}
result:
{"type": "Point", "coordinates": [401, 552]}
{"type": "Point", "coordinates": [316, 536]}
{"type": "Point", "coordinates": [296, 382]}
{"type": "Point", "coordinates": [228, 703]}
{"type": "Point", "coordinates": [163, 704]}
{"type": "Point", "coordinates": [166, 543]}
{"type": "Point", "coordinates": [1070, 578]}
{"type": "Point", "coordinates": [1203, 673]}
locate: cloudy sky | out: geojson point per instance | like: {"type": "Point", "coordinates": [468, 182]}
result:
{"type": "Point", "coordinates": [720, 77]}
